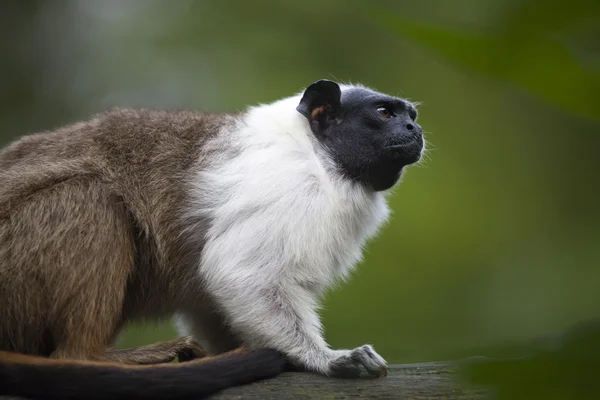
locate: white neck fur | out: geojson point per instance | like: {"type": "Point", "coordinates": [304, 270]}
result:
{"type": "Point", "coordinates": [277, 201]}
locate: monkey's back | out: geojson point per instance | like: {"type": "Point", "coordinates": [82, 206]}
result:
{"type": "Point", "coordinates": [125, 148]}
{"type": "Point", "coordinates": [113, 185]}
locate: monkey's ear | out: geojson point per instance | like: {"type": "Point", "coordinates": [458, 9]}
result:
{"type": "Point", "coordinates": [320, 104]}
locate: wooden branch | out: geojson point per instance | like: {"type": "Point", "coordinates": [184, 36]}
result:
{"type": "Point", "coordinates": [407, 381]}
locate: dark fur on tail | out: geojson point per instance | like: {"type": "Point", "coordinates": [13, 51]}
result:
{"type": "Point", "coordinates": [38, 378]}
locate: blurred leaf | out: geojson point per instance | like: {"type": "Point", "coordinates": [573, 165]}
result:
{"type": "Point", "coordinates": [536, 15]}
{"type": "Point", "coordinates": [532, 59]}
{"type": "Point", "coordinates": [564, 368]}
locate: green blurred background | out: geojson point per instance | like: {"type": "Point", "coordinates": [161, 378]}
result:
{"type": "Point", "coordinates": [494, 238]}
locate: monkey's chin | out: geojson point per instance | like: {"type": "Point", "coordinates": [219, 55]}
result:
{"type": "Point", "coordinates": [384, 178]}
{"type": "Point", "coordinates": [389, 171]}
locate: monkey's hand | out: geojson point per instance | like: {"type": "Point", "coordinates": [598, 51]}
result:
{"type": "Point", "coordinates": [350, 363]}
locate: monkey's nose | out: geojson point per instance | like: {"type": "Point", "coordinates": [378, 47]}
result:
{"type": "Point", "coordinates": [413, 128]}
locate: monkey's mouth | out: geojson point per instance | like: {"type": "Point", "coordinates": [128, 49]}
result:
{"type": "Point", "coordinates": [408, 151]}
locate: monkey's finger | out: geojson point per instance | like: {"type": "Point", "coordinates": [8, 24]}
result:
{"type": "Point", "coordinates": [374, 364]}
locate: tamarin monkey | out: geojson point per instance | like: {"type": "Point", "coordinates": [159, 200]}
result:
{"type": "Point", "coordinates": [235, 224]}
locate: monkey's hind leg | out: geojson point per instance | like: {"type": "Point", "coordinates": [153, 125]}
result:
{"type": "Point", "coordinates": [74, 241]}
{"type": "Point", "coordinates": [184, 349]}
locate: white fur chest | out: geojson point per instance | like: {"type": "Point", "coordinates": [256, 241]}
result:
{"type": "Point", "coordinates": [278, 209]}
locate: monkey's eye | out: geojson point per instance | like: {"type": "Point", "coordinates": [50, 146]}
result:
{"type": "Point", "coordinates": [385, 112]}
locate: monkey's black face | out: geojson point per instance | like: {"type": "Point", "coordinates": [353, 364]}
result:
{"type": "Point", "coordinates": [371, 136]}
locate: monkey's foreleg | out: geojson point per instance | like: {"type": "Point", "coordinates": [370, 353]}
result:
{"type": "Point", "coordinates": [184, 348]}
{"type": "Point", "coordinates": [268, 312]}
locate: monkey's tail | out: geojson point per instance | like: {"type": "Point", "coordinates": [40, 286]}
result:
{"type": "Point", "coordinates": [41, 378]}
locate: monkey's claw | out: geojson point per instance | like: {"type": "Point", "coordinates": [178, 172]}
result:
{"type": "Point", "coordinates": [190, 349]}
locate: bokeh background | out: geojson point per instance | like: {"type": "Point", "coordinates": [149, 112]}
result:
{"type": "Point", "coordinates": [495, 237]}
